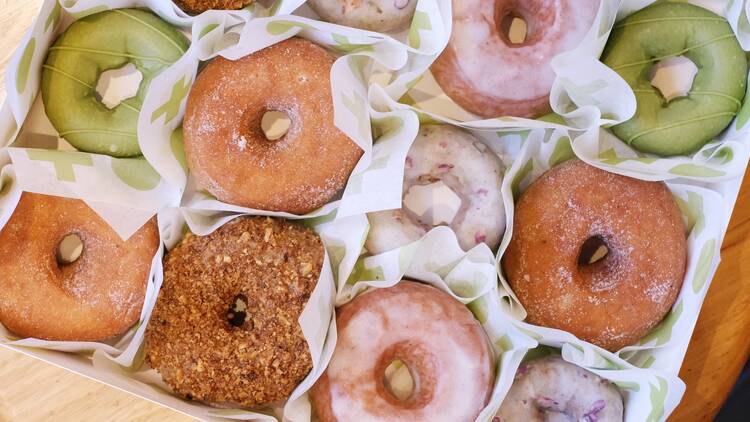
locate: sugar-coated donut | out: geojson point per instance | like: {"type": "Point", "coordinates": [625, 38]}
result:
{"type": "Point", "coordinates": [226, 148]}
{"type": "Point", "coordinates": [373, 15]}
{"type": "Point", "coordinates": [551, 389]}
{"type": "Point", "coordinates": [616, 300]}
{"type": "Point", "coordinates": [666, 29]}
{"type": "Point", "coordinates": [96, 297]}
{"type": "Point", "coordinates": [466, 175]}
{"type": "Point", "coordinates": [91, 45]}
{"type": "Point", "coordinates": [195, 7]}
{"type": "Point", "coordinates": [488, 75]}
{"type": "Point", "coordinates": [225, 327]}
{"type": "Point", "coordinates": [444, 348]}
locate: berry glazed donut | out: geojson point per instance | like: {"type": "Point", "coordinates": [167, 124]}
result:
{"type": "Point", "coordinates": [196, 7]}
{"type": "Point", "coordinates": [562, 219]}
{"type": "Point", "coordinates": [373, 15]}
{"type": "Point", "coordinates": [436, 337]}
{"type": "Point", "coordinates": [225, 327]}
{"type": "Point", "coordinates": [664, 30]}
{"type": "Point", "coordinates": [487, 74]}
{"type": "Point", "coordinates": [450, 178]}
{"type": "Point", "coordinates": [551, 389]}
{"type": "Point", "coordinates": [95, 44]}
{"type": "Point", "coordinates": [96, 297]}
{"type": "Point", "coordinates": [227, 150]}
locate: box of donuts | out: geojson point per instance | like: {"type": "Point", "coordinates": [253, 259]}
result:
{"type": "Point", "coordinates": [384, 210]}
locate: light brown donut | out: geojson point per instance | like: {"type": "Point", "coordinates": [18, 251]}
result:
{"type": "Point", "coordinates": [614, 301]}
{"type": "Point", "coordinates": [226, 148]}
{"type": "Point", "coordinates": [487, 75]}
{"type": "Point", "coordinates": [444, 347]}
{"type": "Point", "coordinates": [96, 297]}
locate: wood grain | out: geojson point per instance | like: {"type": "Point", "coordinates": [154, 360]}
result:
{"type": "Point", "coordinates": [31, 390]}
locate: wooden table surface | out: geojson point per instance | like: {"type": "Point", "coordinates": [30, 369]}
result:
{"type": "Point", "coordinates": [35, 391]}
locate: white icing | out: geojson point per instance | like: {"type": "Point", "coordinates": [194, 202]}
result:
{"type": "Point", "coordinates": [446, 156]}
{"type": "Point", "coordinates": [516, 72]}
{"type": "Point", "coordinates": [392, 320]}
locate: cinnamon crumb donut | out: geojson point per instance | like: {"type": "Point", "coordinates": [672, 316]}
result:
{"type": "Point", "coordinates": [196, 7]}
{"type": "Point", "coordinates": [436, 337]}
{"type": "Point", "coordinates": [225, 327]}
{"type": "Point", "coordinates": [98, 296]}
{"type": "Point", "coordinates": [571, 210]}
{"type": "Point", "coordinates": [226, 148]}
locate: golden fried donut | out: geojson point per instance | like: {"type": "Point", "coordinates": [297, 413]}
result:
{"type": "Point", "coordinates": [484, 72]}
{"type": "Point", "coordinates": [574, 208]}
{"type": "Point", "coordinates": [225, 327]}
{"type": "Point", "coordinates": [195, 7]}
{"type": "Point", "coordinates": [438, 339]}
{"type": "Point", "coordinates": [227, 150]}
{"type": "Point", "coordinates": [95, 297]}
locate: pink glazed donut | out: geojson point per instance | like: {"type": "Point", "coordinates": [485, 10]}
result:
{"type": "Point", "coordinates": [487, 74]}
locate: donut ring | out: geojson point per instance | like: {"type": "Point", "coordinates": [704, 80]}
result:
{"type": "Point", "coordinates": [230, 156]}
{"type": "Point", "coordinates": [436, 337]}
{"type": "Point", "coordinates": [196, 7]}
{"type": "Point", "coordinates": [488, 75]}
{"type": "Point", "coordinates": [683, 125]}
{"type": "Point", "coordinates": [637, 281]}
{"type": "Point", "coordinates": [551, 389]}
{"type": "Point", "coordinates": [453, 157]}
{"type": "Point", "coordinates": [373, 15]}
{"type": "Point", "coordinates": [225, 327]}
{"type": "Point", "coordinates": [96, 297]}
{"type": "Point", "coordinates": [94, 44]}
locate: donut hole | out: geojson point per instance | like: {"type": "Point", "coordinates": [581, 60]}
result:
{"type": "Point", "coordinates": [514, 28]}
{"type": "Point", "coordinates": [237, 313]}
{"type": "Point", "coordinates": [117, 85]}
{"type": "Point", "coordinates": [275, 124]}
{"type": "Point", "coordinates": [69, 249]}
{"type": "Point", "coordinates": [398, 380]}
{"type": "Point", "coordinates": [673, 77]}
{"type": "Point", "coordinates": [593, 250]}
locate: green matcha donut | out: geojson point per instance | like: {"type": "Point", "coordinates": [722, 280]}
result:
{"type": "Point", "coordinates": [90, 46]}
{"type": "Point", "coordinates": [663, 30]}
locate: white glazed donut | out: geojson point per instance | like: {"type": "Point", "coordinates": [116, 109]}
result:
{"type": "Point", "coordinates": [433, 335]}
{"type": "Point", "coordinates": [550, 390]}
{"type": "Point", "coordinates": [374, 15]}
{"type": "Point", "coordinates": [487, 74]}
{"type": "Point", "coordinates": [452, 179]}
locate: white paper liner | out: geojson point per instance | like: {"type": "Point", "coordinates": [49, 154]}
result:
{"type": "Point", "coordinates": [438, 260]}
{"type": "Point", "coordinates": [122, 348]}
{"type": "Point", "coordinates": [317, 323]}
{"type": "Point", "coordinates": [703, 212]}
{"type": "Point", "coordinates": [46, 164]}
{"type": "Point", "coordinates": [648, 395]}
{"type": "Point", "coordinates": [723, 158]}
{"type": "Point", "coordinates": [363, 56]}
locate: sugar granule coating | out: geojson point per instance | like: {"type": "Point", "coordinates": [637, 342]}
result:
{"type": "Point", "coordinates": [618, 299]}
{"type": "Point", "coordinates": [225, 327]}
{"type": "Point", "coordinates": [195, 7]}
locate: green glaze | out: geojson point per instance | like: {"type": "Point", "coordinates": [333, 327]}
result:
{"type": "Point", "coordinates": [92, 45]}
{"type": "Point", "coordinates": [685, 124]}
